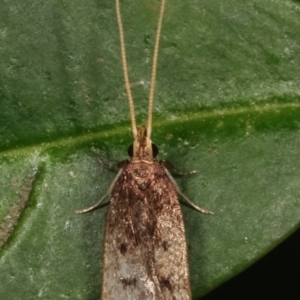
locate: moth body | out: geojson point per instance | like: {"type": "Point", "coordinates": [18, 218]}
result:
{"type": "Point", "coordinates": [145, 249]}
{"type": "Point", "coordinates": [145, 255]}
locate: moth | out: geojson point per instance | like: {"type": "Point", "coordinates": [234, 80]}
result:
{"type": "Point", "coordinates": [145, 255]}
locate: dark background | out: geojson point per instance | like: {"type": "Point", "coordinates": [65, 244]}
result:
{"type": "Point", "coordinates": [276, 276]}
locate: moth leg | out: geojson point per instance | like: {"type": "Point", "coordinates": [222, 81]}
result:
{"type": "Point", "coordinates": [106, 166]}
{"type": "Point", "coordinates": [116, 167]}
{"type": "Point", "coordinates": [100, 202]}
{"type": "Point", "coordinates": [93, 207]}
{"type": "Point", "coordinates": [172, 169]}
{"type": "Point", "coordinates": [186, 199]}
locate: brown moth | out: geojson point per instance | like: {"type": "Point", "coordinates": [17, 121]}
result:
{"type": "Point", "coordinates": [145, 253]}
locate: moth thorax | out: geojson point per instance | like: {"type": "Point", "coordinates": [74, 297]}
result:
{"type": "Point", "coordinates": [142, 146]}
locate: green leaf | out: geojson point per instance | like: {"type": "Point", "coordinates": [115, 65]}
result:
{"type": "Point", "coordinates": [226, 104]}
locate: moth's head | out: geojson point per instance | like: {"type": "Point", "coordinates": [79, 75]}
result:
{"type": "Point", "coordinates": [142, 147]}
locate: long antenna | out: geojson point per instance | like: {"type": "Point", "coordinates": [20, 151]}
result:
{"type": "Point", "coordinates": [125, 70]}
{"type": "Point", "coordinates": [153, 74]}
{"type": "Point", "coordinates": [154, 67]}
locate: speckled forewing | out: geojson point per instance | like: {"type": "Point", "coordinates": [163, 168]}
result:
{"type": "Point", "coordinates": [145, 249]}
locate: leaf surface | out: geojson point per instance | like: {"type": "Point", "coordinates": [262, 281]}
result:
{"type": "Point", "coordinates": [227, 104]}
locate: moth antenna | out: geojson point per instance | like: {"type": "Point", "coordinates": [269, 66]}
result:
{"type": "Point", "coordinates": [125, 70]}
{"type": "Point", "coordinates": [154, 67]}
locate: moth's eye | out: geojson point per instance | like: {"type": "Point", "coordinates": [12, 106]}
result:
{"type": "Point", "coordinates": [154, 150]}
{"type": "Point", "coordinates": [130, 150]}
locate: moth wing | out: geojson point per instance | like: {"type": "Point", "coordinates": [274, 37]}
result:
{"type": "Point", "coordinates": [171, 263]}
{"type": "Point", "coordinates": [145, 249]}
